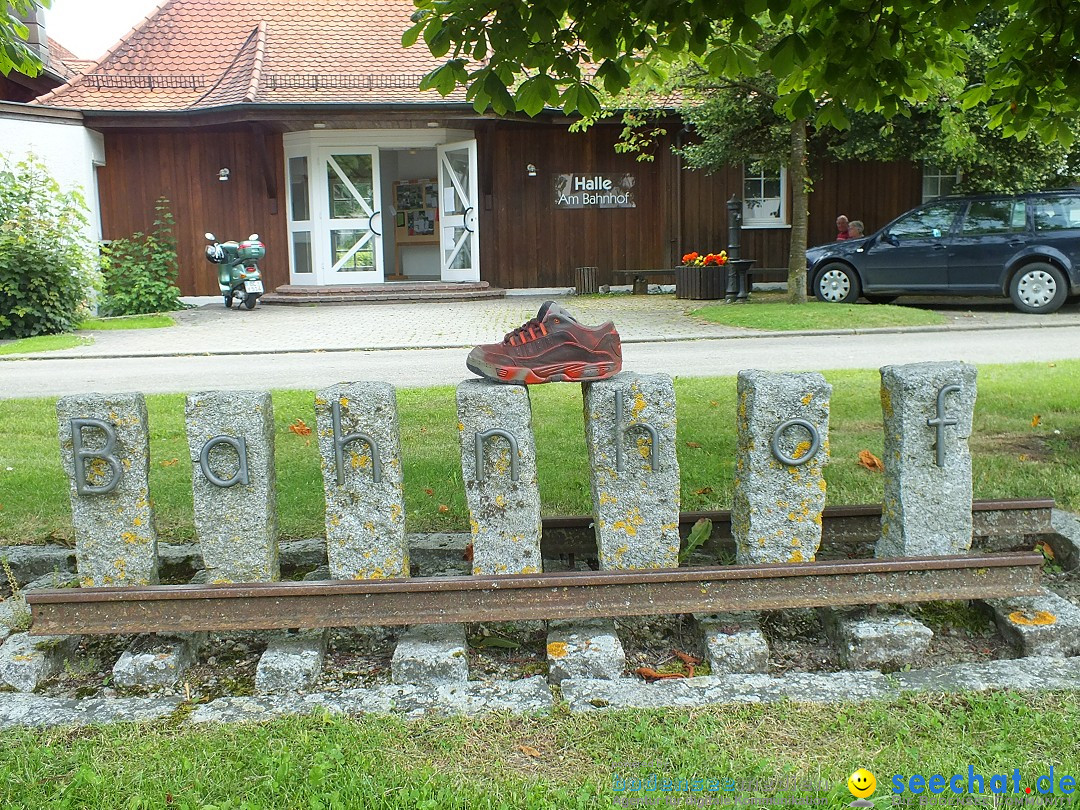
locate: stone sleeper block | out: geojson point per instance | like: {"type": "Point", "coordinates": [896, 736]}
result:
{"type": "Point", "coordinates": [365, 510]}
{"type": "Point", "coordinates": [733, 642]}
{"type": "Point", "coordinates": [927, 508]}
{"type": "Point", "coordinates": [28, 563]}
{"type": "Point", "coordinates": [292, 662]}
{"type": "Point", "coordinates": [115, 538]}
{"type": "Point", "coordinates": [26, 661]}
{"type": "Point", "coordinates": [237, 524]}
{"type": "Point", "coordinates": [431, 654]}
{"type": "Point", "coordinates": [1044, 625]}
{"type": "Point", "coordinates": [637, 507]}
{"type": "Point", "coordinates": [584, 649]}
{"type": "Point", "coordinates": [504, 512]}
{"type": "Point", "coordinates": [866, 641]}
{"type": "Point", "coordinates": [156, 660]}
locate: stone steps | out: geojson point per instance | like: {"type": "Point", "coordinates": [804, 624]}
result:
{"type": "Point", "coordinates": [389, 292]}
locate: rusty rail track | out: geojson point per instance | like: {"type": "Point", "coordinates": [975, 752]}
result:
{"type": "Point", "coordinates": [581, 594]}
{"type": "Point", "coordinates": [841, 525]}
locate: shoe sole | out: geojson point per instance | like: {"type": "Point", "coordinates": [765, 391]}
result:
{"type": "Point", "coordinates": [556, 372]}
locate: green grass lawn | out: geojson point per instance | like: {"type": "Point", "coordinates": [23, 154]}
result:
{"type": "Point", "coordinates": [128, 322]}
{"type": "Point", "coordinates": [51, 343]}
{"type": "Point", "coordinates": [44, 343]}
{"type": "Point", "coordinates": [563, 762]}
{"type": "Point", "coordinates": [1012, 458]}
{"type": "Point", "coordinates": [771, 312]}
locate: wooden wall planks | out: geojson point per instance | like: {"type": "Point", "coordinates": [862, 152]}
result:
{"type": "Point", "coordinates": [182, 165]}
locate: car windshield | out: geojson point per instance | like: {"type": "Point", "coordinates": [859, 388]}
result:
{"type": "Point", "coordinates": [930, 222]}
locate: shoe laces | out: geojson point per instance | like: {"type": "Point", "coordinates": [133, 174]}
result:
{"type": "Point", "coordinates": [530, 330]}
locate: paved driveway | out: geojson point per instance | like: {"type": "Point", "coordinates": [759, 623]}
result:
{"type": "Point", "coordinates": [640, 318]}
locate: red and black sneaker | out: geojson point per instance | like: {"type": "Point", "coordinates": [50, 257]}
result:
{"type": "Point", "coordinates": [552, 347]}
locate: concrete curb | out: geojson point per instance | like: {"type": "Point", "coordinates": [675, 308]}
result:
{"type": "Point", "coordinates": [748, 335]}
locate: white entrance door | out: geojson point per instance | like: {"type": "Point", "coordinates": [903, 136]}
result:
{"type": "Point", "coordinates": [350, 249]}
{"type": "Point", "coordinates": [459, 240]}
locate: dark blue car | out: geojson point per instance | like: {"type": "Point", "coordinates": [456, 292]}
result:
{"type": "Point", "coordinates": [1025, 246]}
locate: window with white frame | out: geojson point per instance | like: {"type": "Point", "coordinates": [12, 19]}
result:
{"type": "Point", "coordinates": [764, 196]}
{"type": "Point", "coordinates": [938, 181]}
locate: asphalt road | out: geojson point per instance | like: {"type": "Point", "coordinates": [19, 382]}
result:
{"type": "Point", "coordinates": [421, 367]}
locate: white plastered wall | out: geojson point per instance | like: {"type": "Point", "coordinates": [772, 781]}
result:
{"type": "Point", "coordinates": [60, 141]}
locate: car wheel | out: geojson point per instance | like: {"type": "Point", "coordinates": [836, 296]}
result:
{"type": "Point", "coordinates": [837, 283]}
{"type": "Point", "coordinates": [881, 299]}
{"type": "Point", "coordinates": [1038, 288]}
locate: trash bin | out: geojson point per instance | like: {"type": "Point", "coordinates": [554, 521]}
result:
{"type": "Point", "coordinates": [585, 281]}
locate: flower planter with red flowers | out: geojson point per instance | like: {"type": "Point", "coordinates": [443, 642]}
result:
{"type": "Point", "coordinates": [702, 277]}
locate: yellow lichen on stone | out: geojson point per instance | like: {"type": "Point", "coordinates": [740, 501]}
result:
{"type": "Point", "coordinates": [644, 446]}
{"type": "Point", "coordinates": [807, 399]}
{"type": "Point", "coordinates": [556, 649]}
{"type": "Point", "coordinates": [360, 460]}
{"type": "Point", "coordinates": [474, 526]}
{"type": "Point", "coordinates": [639, 403]}
{"type": "Point", "coordinates": [335, 520]}
{"type": "Point", "coordinates": [605, 499]}
{"type": "Point", "coordinates": [320, 401]}
{"type": "Point", "coordinates": [1040, 618]}
{"type": "Point", "coordinates": [886, 402]}
{"type": "Point", "coordinates": [461, 427]}
{"type": "Point", "coordinates": [801, 449]}
{"type": "Point", "coordinates": [344, 402]}
{"type": "Point", "coordinates": [796, 556]}
{"type": "Point", "coordinates": [630, 524]}
{"type": "Point", "coordinates": [530, 569]}
{"type": "Point", "coordinates": [821, 484]}
{"type": "Point", "coordinates": [500, 501]}
{"type": "Point", "coordinates": [395, 512]}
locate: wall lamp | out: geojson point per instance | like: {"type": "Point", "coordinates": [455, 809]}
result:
{"type": "Point", "coordinates": [530, 170]}
{"type": "Point", "coordinates": [223, 175]}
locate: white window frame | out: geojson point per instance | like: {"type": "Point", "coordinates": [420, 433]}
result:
{"type": "Point", "coordinates": [937, 176]}
{"type": "Point", "coordinates": [766, 221]}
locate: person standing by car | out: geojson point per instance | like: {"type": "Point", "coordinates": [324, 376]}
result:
{"type": "Point", "coordinates": [855, 229]}
{"type": "Point", "coordinates": [841, 228]}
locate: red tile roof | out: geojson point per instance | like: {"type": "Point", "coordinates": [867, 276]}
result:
{"type": "Point", "coordinates": [64, 63]}
{"type": "Point", "coordinates": [199, 54]}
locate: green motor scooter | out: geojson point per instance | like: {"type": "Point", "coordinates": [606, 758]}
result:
{"type": "Point", "coordinates": [238, 271]}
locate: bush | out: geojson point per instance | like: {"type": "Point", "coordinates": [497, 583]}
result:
{"type": "Point", "coordinates": [140, 272]}
{"type": "Point", "coordinates": [46, 264]}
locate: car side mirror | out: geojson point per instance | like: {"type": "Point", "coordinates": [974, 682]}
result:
{"type": "Point", "coordinates": [210, 236]}
{"type": "Point", "coordinates": [892, 240]}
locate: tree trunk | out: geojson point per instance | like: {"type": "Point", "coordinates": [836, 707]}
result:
{"type": "Point", "coordinates": [800, 197]}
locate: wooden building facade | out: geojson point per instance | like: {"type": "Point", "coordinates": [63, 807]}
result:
{"type": "Point", "coordinates": [524, 239]}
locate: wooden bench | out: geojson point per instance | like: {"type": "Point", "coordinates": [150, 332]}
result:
{"type": "Point", "coordinates": [640, 278]}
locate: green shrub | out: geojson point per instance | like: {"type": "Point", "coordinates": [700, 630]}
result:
{"type": "Point", "coordinates": [139, 272]}
{"type": "Point", "coordinates": [46, 264]}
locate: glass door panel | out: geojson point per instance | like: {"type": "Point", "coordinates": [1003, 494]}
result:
{"type": "Point", "coordinates": [351, 248]}
{"type": "Point", "coordinates": [459, 240]}
{"type": "Point", "coordinates": [302, 270]}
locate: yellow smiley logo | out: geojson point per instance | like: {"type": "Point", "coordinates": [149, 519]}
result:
{"type": "Point", "coordinates": [862, 784]}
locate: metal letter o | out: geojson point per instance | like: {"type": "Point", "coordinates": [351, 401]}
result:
{"type": "Point", "coordinates": [815, 442]}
